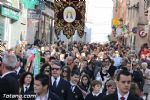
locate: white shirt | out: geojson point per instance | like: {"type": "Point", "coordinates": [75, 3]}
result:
{"type": "Point", "coordinates": [7, 73]}
{"type": "Point", "coordinates": [98, 77]}
{"type": "Point", "coordinates": [43, 97]}
{"type": "Point", "coordinates": [57, 80]}
{"type": "Point", "coordinates": [73, 86]}
{"type": "Point", "coordinates": [125, 96]}
{"type": "Point", "coordinates": [107, 93]}
{"type": "Point", "coordinates": [96, 94]}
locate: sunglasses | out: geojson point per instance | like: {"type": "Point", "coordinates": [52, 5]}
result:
{"type": "Point", "coordinates": [55, 69]}
{"type": "Point", "coordinates": [85, 79]}
{"type": "Point", "coordinates": [46, 70]}
{"type": "Point", "coordinates": [65, 71]}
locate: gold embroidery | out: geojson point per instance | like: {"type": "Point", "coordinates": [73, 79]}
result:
{"type": "Point", "coordinates": [76, 22]}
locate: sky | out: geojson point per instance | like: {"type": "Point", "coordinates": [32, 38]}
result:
{"type": "Point", "coordinates": [99, 16]}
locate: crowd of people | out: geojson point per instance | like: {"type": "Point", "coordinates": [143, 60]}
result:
{"type": "Point", "coordinates": [77, 71]}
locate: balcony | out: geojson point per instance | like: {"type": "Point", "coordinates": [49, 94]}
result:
{"type": "Point", "coordinates": [147, 4]}
{"type": "Point", "coordinates": [50, 3]}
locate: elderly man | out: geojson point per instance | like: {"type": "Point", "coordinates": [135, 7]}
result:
{"type": "Point", "coordinates": [58, 85]}
{"type": "Point", "coordinates": [8, 82]}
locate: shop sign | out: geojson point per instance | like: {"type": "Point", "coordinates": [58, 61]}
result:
{"type": "Point", "coordinates": [115, 21]}
{"type": "Point", "coordinates": [9, 13]}
{"type": "Point", "coordinates": [124, 30]}
{"type": "Point", "coordinates": [34, 15]}
{"type": "Point", "coordinates": [142, 34]}
{"type": "Point", "coordinates": [119, 31]}
{"type": "Point", "coordinates": [135, 30]}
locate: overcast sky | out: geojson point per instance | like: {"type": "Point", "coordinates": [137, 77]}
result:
{"type": "Point", "coordinates": [99, 15]}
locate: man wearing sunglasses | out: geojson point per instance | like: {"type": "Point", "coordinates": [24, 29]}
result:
{"type": "Point", "coordinates": [58, 85]}
{"type": "Point", "coordinates": [123, 81]}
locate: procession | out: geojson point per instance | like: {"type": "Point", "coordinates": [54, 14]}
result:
{"type": "Point", "coordinates": [54, 58]}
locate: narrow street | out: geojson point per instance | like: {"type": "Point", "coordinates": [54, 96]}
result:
{"type": "Point", "coordinates": [74, 49]}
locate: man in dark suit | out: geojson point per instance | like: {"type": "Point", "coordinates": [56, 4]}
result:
{"type": "Point", "coordinates": [0, 66]}
{"type": "Point", "coordinates": [76, 93]}
{"type": "Point", "coordinates": [123, 81]}
{"type": "Point", "coordinates": [57, 84]}
{"type": "Point", "coordinates": [41, 88]}
{"type": "Point", "coordinates": [19, 68]}
{"type": "Point", "coordinates": [8, 81]}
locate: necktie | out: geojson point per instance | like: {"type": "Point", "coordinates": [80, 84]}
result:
{"type": "Point", "coordinates": [16, 72]}
{"type": "Point", "coordinates": [26, 88]}
{"type": "Point", "coordinates": [122, 98]}
{"type": "Point", "coordinates": [72, 87]}
{"type": "Point", "coordinates": [55, 83]}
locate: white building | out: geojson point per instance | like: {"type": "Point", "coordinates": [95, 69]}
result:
{"type": "Point", "coordinates": [10, 25]}
{"type": "Point", "coordinates": [98, 19]}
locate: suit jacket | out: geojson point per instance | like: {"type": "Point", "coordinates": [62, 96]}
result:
{"type": "Point", "coordinates": [30, 91]}
{"type": "Point", "coordinates": [21, 71]}
{"type": "Point", "coordinates": [53, 96]}
{"type": "Point", "coordinates": [9, 85]}
{"type": "Point", "coordinates": [115, 97]}
{"type": "Point", "coordinates": [84, 87]}
{"type": "Point", "coordinates": [138, 78]}
{"type": "Point", "coordinates": [111, 70]}
{"type": "Point", "coordinates": [76, 94]}
{"type": "Point", "coordinates": [91, 97]}
{"type": "Point", "coordinates": [62, 90]}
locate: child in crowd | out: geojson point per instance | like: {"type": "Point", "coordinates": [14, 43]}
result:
{"type": "Point", "coordinates": [110, 87]}
{"type": "Point", "coordinates": [96, 91]}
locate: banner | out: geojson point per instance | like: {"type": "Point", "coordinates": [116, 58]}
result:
{"type": "Point", "coordinates": [36, 63]}
{"type": "Point", "coordinates": [69, 16]}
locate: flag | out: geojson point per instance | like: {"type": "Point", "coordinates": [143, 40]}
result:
{"type": "Point", "coordinates": [36, 63]}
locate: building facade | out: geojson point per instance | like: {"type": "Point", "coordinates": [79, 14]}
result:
{"type": "Point", "coordinates": [18, 22]}
{"type": "Point", "coordinates": [134, 14]}
{"type": "Point", "coordinates": [41, 22]}
{"type": "Point", "coordinates": [9, 19]}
